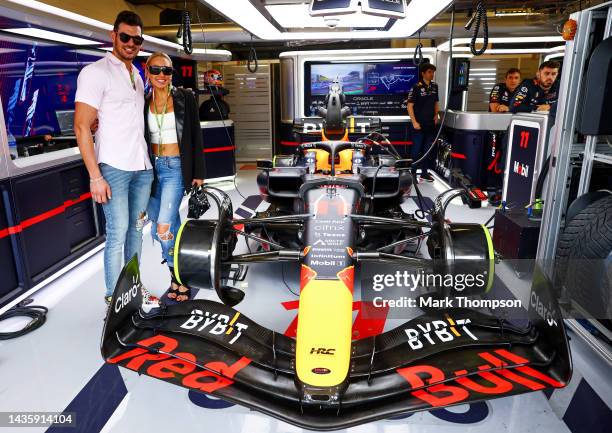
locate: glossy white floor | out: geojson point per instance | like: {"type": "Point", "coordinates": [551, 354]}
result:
{"type": "Point", "coordinates": [58, 367]}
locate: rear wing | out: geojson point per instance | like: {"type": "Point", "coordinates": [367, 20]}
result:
{"type": "Point", "coordinates": [354, 125]}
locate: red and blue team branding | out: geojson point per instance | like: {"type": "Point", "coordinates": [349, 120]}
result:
{"type": "Point", "coordinates": [161, 357]}
{"type": "Point", "coordinates": [174, 363]}
{"type": "Point", "coordinates": [501, 380]}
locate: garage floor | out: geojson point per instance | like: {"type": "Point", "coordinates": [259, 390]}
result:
{"type": "Point", "coordinates": [58, 367]}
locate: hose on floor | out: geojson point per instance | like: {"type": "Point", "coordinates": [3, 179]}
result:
{"type": "Point", "coordinates": [37, 313]}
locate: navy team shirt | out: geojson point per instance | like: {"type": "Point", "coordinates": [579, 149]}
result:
{"type": "Point", "coordinates": [424, 98]}
{"type": "Point", "coordinates": [500, 94]}
{"type": "Point", "coordinates": [529, 95]}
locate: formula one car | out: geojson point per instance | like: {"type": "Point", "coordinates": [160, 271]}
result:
{"type": "Point", "coordinates": [333, 206]}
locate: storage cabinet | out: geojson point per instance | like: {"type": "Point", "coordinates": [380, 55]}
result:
{"type": "Point", "coordinates": [9, 282]}
{"type": "Point", "coordinates": [54, 223]}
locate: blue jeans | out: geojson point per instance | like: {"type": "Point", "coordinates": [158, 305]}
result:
{"type": "Point", "coordinates": [163, 208]}
{"type": "Point", "coordinates": [421, 142]}
{"type": "Point", "coordinates": [125, 215]}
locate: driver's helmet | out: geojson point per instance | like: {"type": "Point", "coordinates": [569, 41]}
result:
{"type": "Point", "coordinates": [213, 77]}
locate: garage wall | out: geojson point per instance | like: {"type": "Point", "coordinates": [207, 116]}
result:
{"type": "Point", "coordinates": [250, 109]}
{"type": "Point", "coordinates": [106, 11]}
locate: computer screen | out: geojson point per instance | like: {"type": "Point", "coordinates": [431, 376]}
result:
{"type": "Point", "coordinates": [65, 119]}
{"type": "Point", "coordinates": [373, 88]}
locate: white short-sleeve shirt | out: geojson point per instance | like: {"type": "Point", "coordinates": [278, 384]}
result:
{"type": "Point", "coordinates": [119, 140]}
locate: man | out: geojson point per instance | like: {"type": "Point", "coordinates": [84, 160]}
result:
{"type": "Point", "coordinates": [119, 167]}
{"type": "Point", "coordinates": [423, 108]}
{"type": "Point", "coordinates": [540, 93]}
{"type": "Point", "coordinates": [499, 99]}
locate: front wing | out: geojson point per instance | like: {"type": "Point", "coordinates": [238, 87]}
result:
{"type": "Point", "coordinates": [209, 347]}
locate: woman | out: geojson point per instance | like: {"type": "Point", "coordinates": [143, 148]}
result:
{"type": "Point", "coordinates": [174, 137]}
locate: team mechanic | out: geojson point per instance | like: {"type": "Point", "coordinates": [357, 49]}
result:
{"type": "Point", "coordinates": [540, 93]}
{"type": "Point", "coordinates": [502, 93]}
{"type": "Point", "coordinates": [423, 108]}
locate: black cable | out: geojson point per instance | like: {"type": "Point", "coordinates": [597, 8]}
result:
{"type": "Point", "coordinates": [395, 154]}
{"type": "Point", "coordinates": [212, 95]}
{"type": "Point", "coordinates": [37, 313]}
{"type": "Point", "coordinates": [448, 94]}
{"type": "Point", "coordinates": [421, 212]}
{"type": "Point", "coordinates": [448, 200]}
{"type": "Point", "coordinates": [479, 17]}
{"type": "Point", "coordinates": [185, 31]}
{"type": "Point", "coordinates": [541, 178]}
{"type": "Point", "coordinates": [374, 185]}
{"type": "Point", "coordinates": [285, 282]}
{"type": "Point", "coordinates": [489, 220]}
{"type": "Point", "coordinates": [252, 58]}
{"type": "Point", "coordinates": [417, 59]}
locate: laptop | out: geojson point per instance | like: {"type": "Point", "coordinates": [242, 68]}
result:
{"type": "Point", "coordinates": [65, 119]}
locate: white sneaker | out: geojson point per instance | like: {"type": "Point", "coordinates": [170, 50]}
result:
{"type": "Point", "coordinates": [150, 303]}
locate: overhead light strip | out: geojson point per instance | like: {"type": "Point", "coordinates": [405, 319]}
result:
{"type": "Point", "coordinates": [512, 50]}
{"type": "Point", "coordinates": [82, 20]}
{"type": "Point", "coordinates": [48, 35]}
{"type": "Point", "coordinates": [520, 40]}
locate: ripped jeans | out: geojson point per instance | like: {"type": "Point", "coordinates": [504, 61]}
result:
{"type": "Point", "coordinates": [163, 209]}
{"type": "Point", "coordinates": [125, 215]}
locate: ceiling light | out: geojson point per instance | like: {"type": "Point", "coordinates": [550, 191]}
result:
{"type": "Point", "coordinates": [553, 56]}
{"type": "Point", "coordinates": [515, 40]}
{"type": "Point", "coordinates": [316, 8]}
{"type": "Point", "coordinates": [87, 52]}
{"type": "Point", "coordinates": [76, 23]}
{"type": "Point", "coordinates": [9, 50]}
{"type": "Point", "coordinates": [508, 50]}
{"type": "Point", "coordinates": [291, 16]}
{"type": "Point", "coordinates": [51, 36]}
{"type": "Point", "coordinates": [515, 13]}
{"type": "Point", "coordinates": [244, 14]}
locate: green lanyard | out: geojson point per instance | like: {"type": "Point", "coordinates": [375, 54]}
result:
{"type": "Point", "coordinates": [160, 121]}
{"type": "Point", "coordinates": [132, 80]}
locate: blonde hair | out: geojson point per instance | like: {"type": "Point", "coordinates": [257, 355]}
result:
{"type": "Point", "coordinates": [158, 54]}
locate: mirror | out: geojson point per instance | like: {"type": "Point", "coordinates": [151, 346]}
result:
{"type": "Point", "coordinates": [403, 164]}
{"type": "Point", "coordinates": [265, 164]}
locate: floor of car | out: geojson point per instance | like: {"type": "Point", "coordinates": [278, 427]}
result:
{"type": "Point", "coordinates": [59, 368]}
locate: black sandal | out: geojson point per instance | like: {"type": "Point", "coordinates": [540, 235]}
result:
{"type": "Point", "coordinates": [176, 292]}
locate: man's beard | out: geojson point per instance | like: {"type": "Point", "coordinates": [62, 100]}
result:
{"type": "Point", "coordinates": [546, 87]}
{"type": "Point", "coordinates": [120, 54]}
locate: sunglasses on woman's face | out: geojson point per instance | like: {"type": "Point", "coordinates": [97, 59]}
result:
{"type": "Point", "coordinates": [125, 38]}
{"type": "Point", "coordinates": [156, 70]}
